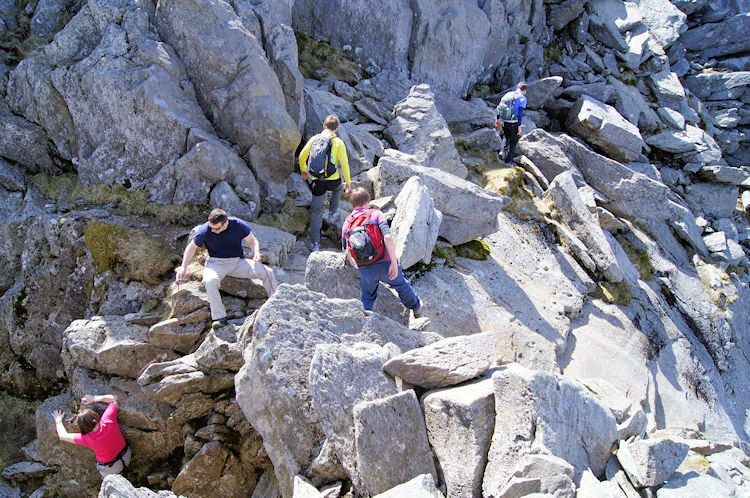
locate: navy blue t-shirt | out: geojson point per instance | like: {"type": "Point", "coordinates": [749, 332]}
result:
{"type": "Point", "coordinates": [227, 244]}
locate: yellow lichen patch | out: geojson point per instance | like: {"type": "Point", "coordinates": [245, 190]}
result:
{"type": "Point", "coordinates": [717, 283]}
{"type": "Point", "coordinates": [509, 182]}
{"type": "Point", "coordinates": [68, 188]}
{"type": "Point", "coordinates": [318, 59]}
{"type": "Point", "coordinates": [474, 249]}
{"type": "Point", "coordinates": [130, 254]}
{"type": "Point", "coordinates": [618, 293]}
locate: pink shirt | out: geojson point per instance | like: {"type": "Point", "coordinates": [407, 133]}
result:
{"type": "Point", "coordinates": [106, 440]}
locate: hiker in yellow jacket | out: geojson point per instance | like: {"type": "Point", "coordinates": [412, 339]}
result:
{"type": "Point", "coordinates": [323, 162]}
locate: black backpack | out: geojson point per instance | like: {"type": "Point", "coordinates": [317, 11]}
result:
{"type": "Point", "coordinates": [319, 162]}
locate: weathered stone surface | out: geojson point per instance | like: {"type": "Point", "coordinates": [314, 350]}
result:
{"type": "Point", "coordinates": [713, 85]}
{"type": "Point", "coordinates": [632, 105]}
{"type": "Point", "coordinates": [303, 488]}
{"type": "Point", "coordinates": [718, 38]}
{"type": "Point", "coordinates": [573, 211]}
{"type": "Point", "coordinates": [667, 89]}
{"type": "Point", "coordinates": [422, 486]}
{"type": "Point", "coordinates": [47, 286]}
{"type": "Point", "coordinates": [26, 143]}
{"type": "Point", "coordinates": [650, 462]}
{"type": "Point", "coordinates": [460, 422]}
{"type": "Point", "coordinates": [342, 376]}
{"type": "Point", "coordinates": [172, 387]}
{"type": "Point", "coordinates": [629, 194]}
{"type": "Point", "coordinates": [591, 487]}
{"type": "Point", "coordinates": [23, 471]}
{"type": "Point", "coordinates": [606, 31]}
{"type": "Point", "coordinates": [468, 210]}
{"type": "Point", "coordinates": [286, 332]}
{"type": "Point", "coordinates": [610, 396]}
{"type": "Point", "coordinates": [238, 89]}
{"type": "Point", "coordinates": [725, 174]}
{"type": "Point", "coordinates": [117, 486]}
{"type": "Point", "coordinates": [445, 363]}
{"type": "Point", "coordinates": [602, 126]}
{"type": "Point", "coordinates": [115, 132]}
{"type": "Point", "coordinates": [275, 244]}
{"type": "Point", "coordinates": [716, 242]}
{"type": "Point", "coordinates": [417, 128]}
{"type": "Point", "coordinates": [464, 115]}
{"type": "Point", "coordinates": [391, 442]}
{"type": "Point", "coordinates": [416, 225]}
{"type": "Point", "coordinates": [224, 197]}
{"type": "Point", "coordinates": [558, 414]}
{"type": "Point", "coordinates": [665, 21]}
{"type": "Point", "coordinates": [109, 345]}
{"type": "Point", "coordinates": [220, 350]}
{"type": "Point", "coordinates": [213, 471]}
{"type": "Point", "coordinates": [712, 199]}
{"type": "Point", "coordinates": [546, 474]}
{"type": "Point", "coordinates": [695, 485]}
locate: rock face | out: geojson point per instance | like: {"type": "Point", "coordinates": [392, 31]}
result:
{"type": "Point", "coordinates": [415, 39]}
{"type": "Point", "coordinates": [341, 377]}
{"type": "Point", "coordinates": [602, 126]}
{"type": "Point", "coordinates": [416, 224]}
{"type": "Point", "coordinates": [468, 211]}
{"type": "Point", "coordinates": [573, 211]}
{"type": "Point", "coordinates": [551, 404]}
{"type": "Point", "coordinates": [238, 68]}
{"type": "Point", "coordinates": [445, 363]}
{"type": "Point", "coordinates": [461, 447]}
{"type": "Point", "coordinates": [419, 129]}
{"type": "Point", "coordinates": [275, 355]}
{"type": "Point", "coordinates": [391, 442]}
{"type": "Point", "coordinates": [651, 462]}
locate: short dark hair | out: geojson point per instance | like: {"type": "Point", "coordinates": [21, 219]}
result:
{"type": "Point", "coordinates": [331, 123]}
{"type": "Point", "coordinates": [522, 86]}
{"type": "Point", "coordinates": [359, 197]}
{"type": "Point", "coordinates": [87, 420]}
{"type": "Point", "coordinates": [217, 216]}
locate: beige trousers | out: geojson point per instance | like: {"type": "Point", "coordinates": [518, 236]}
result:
{"type": "Point", "coordinates": [218, 268]}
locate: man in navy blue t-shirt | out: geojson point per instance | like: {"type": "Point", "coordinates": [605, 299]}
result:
{"type": "Point", "coordinates": [222, 237]}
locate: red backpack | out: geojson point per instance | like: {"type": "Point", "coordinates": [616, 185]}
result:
{"type": "Point", "coordinates": [363, 237]}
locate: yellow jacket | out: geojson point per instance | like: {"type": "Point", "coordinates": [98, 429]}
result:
{"type": "Point", "coordinates": [338, 156]}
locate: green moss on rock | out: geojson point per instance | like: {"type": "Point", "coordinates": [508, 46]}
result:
{"type": "Point", "coordinates": [318, 59]}
{"type": "Point", "coordinates": [474, 249]}
{"type": "Point", "coordinates": [130, 254]}
{"type": "Point", "coordinates": [292, 218]}
{"type": "Point", "coordinates": [68, 188]}
{"type": "Point", "coordinates": [639, 258]}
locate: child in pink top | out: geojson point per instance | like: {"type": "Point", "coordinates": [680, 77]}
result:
{"type": "Point", "coordinates": [101, 434]}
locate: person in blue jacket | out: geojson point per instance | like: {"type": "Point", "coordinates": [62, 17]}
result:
{"type": "Point", "coordinates": [514, 102]}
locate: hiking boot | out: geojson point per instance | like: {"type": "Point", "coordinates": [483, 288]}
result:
{"type": "Point", "coordinates": [221, 322]}
{"type": "Point", "coordinates": [418, 310]}
{"type": "Point", "coordinates": [313, 246]}
{"type": "Point", "coordinates": [335, 217]}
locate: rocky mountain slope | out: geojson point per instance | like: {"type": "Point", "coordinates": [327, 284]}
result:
{"type": "Point", "coordinates": [587, 323]}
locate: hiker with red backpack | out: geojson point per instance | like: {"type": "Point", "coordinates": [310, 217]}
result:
{"type": "Point", "coordinates": [368, 244]}
{"type": "Point", "coordinates": [324, 161]}
{"type": "Point", "coordinates": [509, 115]}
